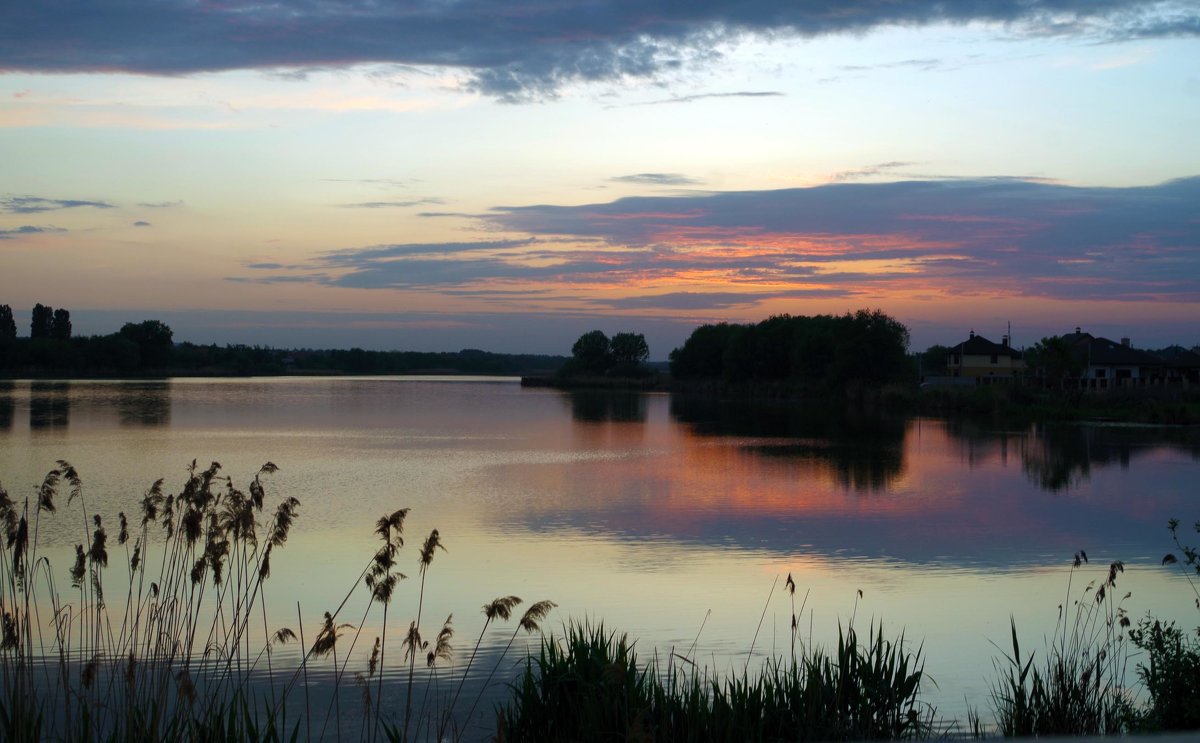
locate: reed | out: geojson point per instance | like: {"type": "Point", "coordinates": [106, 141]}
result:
{"type": "Point", "coordinates": [1079, 688]}
{"type": "Point", "coordinates": [189, 652]}
{"type": "Point", "coordinates": [176, 660]}
{"type": "Point", "coordinates": [589, 685]}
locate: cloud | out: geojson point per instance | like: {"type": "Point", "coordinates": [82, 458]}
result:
{"type": "Point", "coordinates": [159, 204]}
{"type": "Point", "coordinates": [27, 230]}
{"type": "Point", "coordinates": [715, 250]}
{"type": "Point", "coordinates": [392, 204]}
{"type": "Point", "coordinates": [867, 172]}
{"type": "Point", "coordinates": [656, 179]}
{"type": "Point", "coordinates": [141, 223]}
{"type": "Point", "coordinates": [514, 50]}
{"type": "Point", "coordinates": [37, 204]}
{"type": "Point", "coordinates": [703, 96]}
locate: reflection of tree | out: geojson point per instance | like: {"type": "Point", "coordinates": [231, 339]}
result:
{"type": "Point", "coordinates": [596, 406]}
{"type": "Point", "coordinates": [1060, 457]}
{"type": "Point", "coordinates": [864, 451]}
{"type": "Point", "coordinates": [144, 404]}
{"type": "Point", "coordinates": [49, 405]}
{"type": "Point", "coordinates": [6, 405]}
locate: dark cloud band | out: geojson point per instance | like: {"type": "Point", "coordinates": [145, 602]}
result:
{"type": "Point", "coordinates": [1006, 235]}
{"type": "Point", "coordinates": [514, 49]}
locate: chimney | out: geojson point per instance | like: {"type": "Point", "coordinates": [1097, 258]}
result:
{"type": "Point", "coordinates": [1077, 330]}
{"type": "Point", "coordinates": [972, 335]}
{"type": "Point", "coordinates": [1004, 341]}
{"type": "Point", "coordinates": [1125, 342]}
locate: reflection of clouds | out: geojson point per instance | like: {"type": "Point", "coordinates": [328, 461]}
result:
{"type": "Point", "coordinates": [795, 480]}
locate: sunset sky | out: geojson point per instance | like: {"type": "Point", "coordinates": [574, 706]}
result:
{"type": "Point", "coordinates": [441, 174]}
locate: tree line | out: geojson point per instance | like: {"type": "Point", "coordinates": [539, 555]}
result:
{"type": "Point", "coordinates": [52, 347]}
{"type": "Point", "coordinates": [148, 348]}
{"type": "Point", "coordinates": [816, 352]}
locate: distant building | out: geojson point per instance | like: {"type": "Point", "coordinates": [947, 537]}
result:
{"type": "Point", "coordinates": [985, 362]}
{"type": "Point", "coordinates": [1109, 365]}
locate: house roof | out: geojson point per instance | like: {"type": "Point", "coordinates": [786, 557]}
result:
{"type": "Point", "coordinates": [1184, 360]}
{"type": "Point", "coordinates": [977, 345]}
{"type": "Point", "coordinates": [1104, 352]}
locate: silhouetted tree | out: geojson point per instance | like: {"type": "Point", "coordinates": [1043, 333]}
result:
{"type": "Point", "coordinates": [629, 348]}
{"type": "Point", "coordinates": [819, 351]}
{"type": "Point", "coordinates": [42, 321]}
{"type": "Point", "coordinates": [932, 361]}
{"type": "Point", "coordinates": [153, 338]}
{"type": "Point", "coordinates": [60, 325]}
{"type": "Point", "coordinates": [702, 354]}
{"type": "Point", "coordinates": [1055, 360]}
{"type": "Point", "coordinates": [8, 326]}
{"type": "Point", "coordinates": [592, 353]}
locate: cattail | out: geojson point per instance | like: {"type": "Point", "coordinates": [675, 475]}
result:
{"type": "Point", "coordinates": [257, 493]}
{"type": "Point", "coordinates": [80, 566]}
{"type": "Point", "coordinates": [89, 671]}
{"type": "Point", "coordinates": [328, 636]}
{"type": "Point", "coordinates": [1115, 567]}
{"type": "Point", "coordinates": [285, 514]}
{"type": "Point", "coordinates": [391, 527]}
{"type": "Point", "coordinates": [197, 572]}
{"type": "Point", "coordinates": [374, 662]}
{"type": "Point", "coordinates": [192, 524]}
{"type": "Point", "coordinates": [99, 552]}
{"type": "Point", "coordinates": [187, 689]}
{"type": "Point", "coordinates": [151, 501]}
{"type": "Point", "coordinates": [441, 647]}
{"type": "Point", "coordinates": [18, 544]}
{"type": "Point", "coordinates": [72, 477]}
{"type": "Point", "coordinates": [8, 516]}
{"type": "Point", "coordinates": [10, 639]}
{"type": "Point", "coordinates": [412, 642]}
{"type": "Point", "coordinates": [47, 491]}
{"type": "Point", "coordinates": [790, 585]}
{"type": "Point", "coordinates": [123, 533]}
{"type": "Point", "coordinates": [169, 516]}
{"type": "Point", "coordinates": [432, 543]}
{"type": "Point", "coordinates": [501, 607]}
{"type": "Point", "coordinates": [283, 635]}
{"type": "Point", "coordinates": [535, 614]}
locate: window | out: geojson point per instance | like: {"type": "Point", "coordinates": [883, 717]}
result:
{"type": "Point", "coordinates": [1101, 373]}
{"type": "Point", "coordinates": [995, 359]}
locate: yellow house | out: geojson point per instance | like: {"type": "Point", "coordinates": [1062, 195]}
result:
{"type": "Point", "coordinates": [984, 361]}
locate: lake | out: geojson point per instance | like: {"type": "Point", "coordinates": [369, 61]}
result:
{"type": "Point", "coordinates": [674, 520]}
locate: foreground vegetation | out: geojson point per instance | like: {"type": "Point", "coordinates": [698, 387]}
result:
{"type": "Point", "coordinates": [170, 640]}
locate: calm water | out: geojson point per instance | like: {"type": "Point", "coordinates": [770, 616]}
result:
{"type": "Point", "coordinates": [665, 518]}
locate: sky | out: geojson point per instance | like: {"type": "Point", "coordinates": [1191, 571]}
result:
{"type": "Point", "coordinates": [447, 174]}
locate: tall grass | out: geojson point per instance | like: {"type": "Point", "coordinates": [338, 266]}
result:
{"type": "Point", "coordinates": [176, 658]}
{"type": "Point", "coordinates": [1079, 687]}
{"type": "Point", "coordinates": [187, 651]}
{"type": "Point", "coordinates": [589, 685]}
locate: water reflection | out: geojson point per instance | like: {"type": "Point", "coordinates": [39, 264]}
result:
{"type": "Point", "coordinates": [1062, 457]}
{"type": "Point", "coordinates": [6, 405]}
{"type": "Point", "coordinates": [145, 404]}
{"type": "Point", "coordinates": [602, 407]}
{"type": "Point", "coordinates": [861, 450]}
{"type": "Point", "coordinates": [49, 405]}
